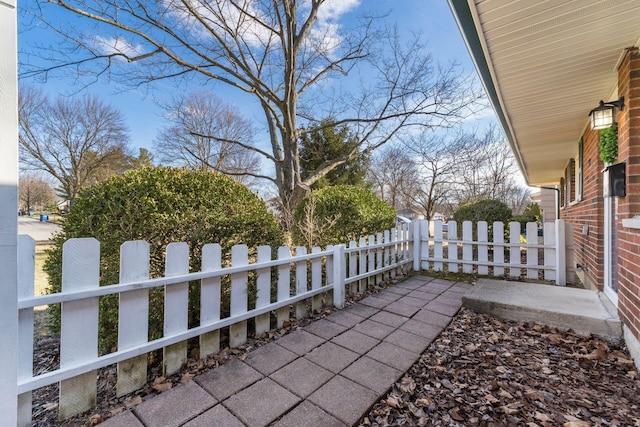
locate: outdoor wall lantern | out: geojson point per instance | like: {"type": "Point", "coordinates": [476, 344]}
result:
{"type": "Point", "coordinates": [602, 115]}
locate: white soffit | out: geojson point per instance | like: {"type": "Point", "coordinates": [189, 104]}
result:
{"type": "Point", "coordinates": [550, 63]}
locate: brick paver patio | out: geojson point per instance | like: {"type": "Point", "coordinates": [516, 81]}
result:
{"type": "Point", "coordinates": [329, 373]}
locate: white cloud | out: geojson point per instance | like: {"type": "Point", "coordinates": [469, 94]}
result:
{"type": "Point", "coordinates": [114, 45]}
{"type": "Point", "coordinates": [334, 9]}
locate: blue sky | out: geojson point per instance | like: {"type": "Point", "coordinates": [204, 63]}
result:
{"type": "Point", "coordinates": [430, 17]}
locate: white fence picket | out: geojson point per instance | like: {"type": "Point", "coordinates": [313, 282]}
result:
{"type": "Point", "coordinates": [316, 279]}
{"type": "Point", "coordinates": [239, 295]}
{"type": "Point", "coordinates": [372, 262]}
{"type": "Point", "coordinates": [483, 249]}
{"type": "Point", "coordinates": [353, 266]}
{"type": "Point", "coordinates": [379, 256]}
{"type": "Point", "coordinates": [133, 315]}
{"type": "Point", "coordinates": [284, 284]}
{"type": "Point", "coordinates": [302, 282]}
{"type": "Point", "coordinates": [437, 245]}
{"type": "Point", "coordinates": [467, 246]}
{"type": "Point", "coordinates": [263, 296]}
{"type": "Point", "coordinates": [452, 247]}
{"type": "Point", "coordinates": [210, 299]}
{"type": "Point", "coordinates": [498, 249]}
{"type": "Point", "coordinates": [362, 265]}
{"type": "Point", "coordinates": [394, 250]}
{"type": "Point", "coordinates": [514, 249]}
{"type": "Point", "coordinates": [26, 276]}
{"type": "Point", "coordinates": [532, 252]}
{"type": "Point", "coordinates": [339, 276]}
{"type": "Point", "coordinates": [387, 254]}
{"type": "Point", "coordinates": [79, 324]}
{"type": "Point", "coordinates": [176, 307]}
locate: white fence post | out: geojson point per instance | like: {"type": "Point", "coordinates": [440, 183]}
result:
{"type": "Point", "coordinates": [176, 307]}
{"type": "Point", "coordinates": [561, 261]}
{"type": "Point", "coordinates": [284, 284]}
{"type": "Point", "coordinates": [328, 270]}
{"type": "Point", "coordinates": [339, 275]}
{"type": "Point", "coordinates": [9, 212]}
{"type": "Point", "coordinates": [239, 295]}
{"type": "Point", "coordinates": [210, 299]}
{"type": "Point", "coordinates": [569, 256]}
{"type": "Point", "coordinates": [549, 237]}
{"type": "Point", "coordinates": [26, 274]}
{"type": "Point", "coordinates": [133, 316]}
{"type": "Point", "coordinates": [264, 291]}
{"type": "Point", "coordinates": [79, 324]}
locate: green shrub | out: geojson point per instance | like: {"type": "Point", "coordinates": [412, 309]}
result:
{"type": "Point", "coordinates": [523, 220]}
{"type": "Point", "coordinates": [339, 214]}
{"type": "Point", "coordinates": [161, 206]}
{"type": "Point", "coordinates": [489, 210]}
{"type": "Point", "coordinates": [608, 144]}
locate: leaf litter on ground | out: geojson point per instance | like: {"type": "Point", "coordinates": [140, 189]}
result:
{"type": "Point", "coordinates": [481, 371]}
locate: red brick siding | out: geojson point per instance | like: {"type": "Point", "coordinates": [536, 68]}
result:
{"type": "Point", "coordinates": [589, 249]}
{"type": "Point", "coordinates": [629, 206]}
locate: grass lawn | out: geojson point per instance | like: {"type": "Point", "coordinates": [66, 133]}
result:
{"type": "Point", "coordinates": [40, 276]}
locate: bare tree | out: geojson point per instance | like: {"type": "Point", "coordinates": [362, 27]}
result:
{"type": "Point", "coordinates": [293, 57]}
{"type": "Point", "coordinates": [437, 161]}
{"type": "Point", "coordinates": [75, 140]}
{"type": "Point", "coordinates": [205, 133]}
{"type": "Point", "coordinates": [488, 166]}
{"type": "Point", "coordinates": [394, 177]}
{"type": "Point", "coordinates": [33, 191]}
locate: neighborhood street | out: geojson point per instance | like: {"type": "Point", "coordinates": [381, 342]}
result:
{"type": "Point", "coordinates": [40, 231]}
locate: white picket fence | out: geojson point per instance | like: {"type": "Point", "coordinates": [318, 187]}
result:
{"type": "Point", "coordinates": [301, 278]}
{"type": "Point", "coordinates": [461, 251]}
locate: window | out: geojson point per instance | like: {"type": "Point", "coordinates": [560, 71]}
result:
{"type": "Point", "coordinates": [579, 172]}
{"type": "Point", "coordinates": [571, 184]}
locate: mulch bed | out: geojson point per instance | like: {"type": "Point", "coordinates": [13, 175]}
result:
{"type": "Point", "coordinates": [484, 372]}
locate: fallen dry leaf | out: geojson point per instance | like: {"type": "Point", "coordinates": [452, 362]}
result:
{"type": "Point", "coordinates": [136, 400]}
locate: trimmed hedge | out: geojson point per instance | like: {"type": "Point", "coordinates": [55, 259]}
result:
{"type": "Point", "coordinates": [340, 214]}
{"type": "Point", "coordinates": [161, 206]}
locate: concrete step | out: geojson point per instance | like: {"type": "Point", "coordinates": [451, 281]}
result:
{"type": "Point", "coordinates": [584, 311]}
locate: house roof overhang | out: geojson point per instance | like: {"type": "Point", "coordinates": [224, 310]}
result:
{"type": "Point", "coordinates": [544, 66]}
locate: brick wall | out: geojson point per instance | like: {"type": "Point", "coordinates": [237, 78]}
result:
{"type": "Point", "coordinates": [629, 206]}
{"type": "Point", "coordinates": [589, 248]}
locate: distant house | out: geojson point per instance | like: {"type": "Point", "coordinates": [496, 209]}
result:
{"type": "Point", "coordinates": [547, 199]}
{"type": "Point", "coordinates": [410, 214]}
{"type": "Point", "coordinates": [546, 67]}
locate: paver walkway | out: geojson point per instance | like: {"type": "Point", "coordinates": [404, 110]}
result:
{"type": "Point", "coordinates": [328, 373]}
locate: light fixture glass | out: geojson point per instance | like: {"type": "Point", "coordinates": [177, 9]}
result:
{"type": "Point", "coordinates": [601, 119]}
{"type": "Point", "coordinates": [602, 115]}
